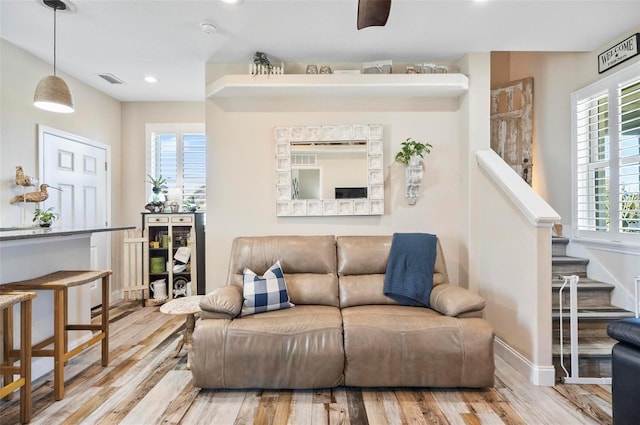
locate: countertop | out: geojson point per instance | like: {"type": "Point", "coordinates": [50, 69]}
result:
{"type": "Point", "coordinates": [16, 233]}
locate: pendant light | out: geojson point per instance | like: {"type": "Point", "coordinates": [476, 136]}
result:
{"type": "Point", "coordinates": [52, 93]}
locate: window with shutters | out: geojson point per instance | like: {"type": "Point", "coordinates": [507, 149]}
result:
{"type": "Point", "coordinates": [606, 133]}
{"type": "Point", "coordinates": [178, 153]}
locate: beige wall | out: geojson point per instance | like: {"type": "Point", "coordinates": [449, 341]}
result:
{"type": "Point", "coordinates": [240, 180]}
{"type": "Point", "coordinates": [97, 117]}
{"type": "Point", "coordinates": [135, 115]}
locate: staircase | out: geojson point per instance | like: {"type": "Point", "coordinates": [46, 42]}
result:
{"type": "Point", "coordinates": [594, 313]}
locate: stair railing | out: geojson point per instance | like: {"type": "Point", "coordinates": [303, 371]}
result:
{"type": "Point", "coordinates": [574, 377]}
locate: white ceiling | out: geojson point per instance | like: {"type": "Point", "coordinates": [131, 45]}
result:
{"type": "Point", "coordinates": [131, 39]}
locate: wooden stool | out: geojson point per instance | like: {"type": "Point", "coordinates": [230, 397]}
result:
{"type": "Point", "coordinates": [60, 282]}
{"type": "Point", "coordinates": [7, 301]}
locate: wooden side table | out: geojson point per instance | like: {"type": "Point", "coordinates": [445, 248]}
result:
{"type": "Point", "coordinates": [189, 306]}
{"type": "Point", "coordinates": [60, 282]}
{"type": "Point", "coordinates": [7, 301]}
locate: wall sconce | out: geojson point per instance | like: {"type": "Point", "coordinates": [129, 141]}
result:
{"type": "Point", "coordinates": [413, 173]}
{"type": "Point", "coordinates": [410, 154]}
{"type": "Point", "coordinates": [52, 93]}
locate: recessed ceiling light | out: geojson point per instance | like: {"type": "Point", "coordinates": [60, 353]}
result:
{"type": "Point", "coordinates": [207, 28]}
{"type": "Point", "coordinates": [150, 79]}
{"type": "Point", "coordinates": [231, 1]}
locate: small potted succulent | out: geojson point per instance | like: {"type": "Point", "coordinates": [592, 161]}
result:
{"type": "Point", "coordinates": [45, 218]}
{"type": "Point", "coordinates": [412, 151]}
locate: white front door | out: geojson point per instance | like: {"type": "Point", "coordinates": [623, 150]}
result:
{"type": "Point", "coordinates": [78, 167]}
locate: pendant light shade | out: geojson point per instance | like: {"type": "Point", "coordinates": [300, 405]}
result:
{"type": "Point", "coordinates": [52, 93]}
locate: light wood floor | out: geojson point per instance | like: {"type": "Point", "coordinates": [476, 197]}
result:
{"type": "Point", "coordinates": [144, 384]}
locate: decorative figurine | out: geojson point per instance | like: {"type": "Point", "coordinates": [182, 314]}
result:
{"type": "Point", "coordinates": [22, 179]}
{"type": "Point", "coordinates": [39, 196]}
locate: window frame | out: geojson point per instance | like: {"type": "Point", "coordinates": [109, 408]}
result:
{"type": "Point", "coordinates": [180, 130]}
{"type": "Point", "coordinates": [610, 88]}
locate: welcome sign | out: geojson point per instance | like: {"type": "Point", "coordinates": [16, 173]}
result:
{"type": "Point", "coordinates": [619, 53]}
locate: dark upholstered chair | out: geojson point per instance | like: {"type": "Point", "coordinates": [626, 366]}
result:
{"type": "Point", "coordinates": [626, 371]}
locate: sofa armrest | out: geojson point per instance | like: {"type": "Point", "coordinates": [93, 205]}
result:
{"type": "Point", "coordinates": [222, 303]}
{"type": "Point", "coordinates": [452, 300]}
{"type": "Point", "coordinates": [625, 330]}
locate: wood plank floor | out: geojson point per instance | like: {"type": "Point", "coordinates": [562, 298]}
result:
{"type": "Point", "coordinates": [144, 384]}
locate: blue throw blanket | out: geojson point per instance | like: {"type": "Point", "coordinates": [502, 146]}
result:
{"type": "Point", "coordinates": [409, 276]}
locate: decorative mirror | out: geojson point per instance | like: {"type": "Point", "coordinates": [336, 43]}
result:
{"type": "Point", "coordinates": [329, 170]}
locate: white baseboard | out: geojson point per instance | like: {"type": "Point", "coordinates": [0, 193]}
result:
{"type": "Point", "coordinates": [543, 376]}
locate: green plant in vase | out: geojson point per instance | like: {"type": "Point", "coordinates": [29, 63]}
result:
{"type": "Point", "coordinates": [410, 154]}
{"type": "Point", "coordinates": [45, 218]}
{"type": "Point", "coordinates": [412, 151]}
{"type": "Point", "coordinates": [159, 186]}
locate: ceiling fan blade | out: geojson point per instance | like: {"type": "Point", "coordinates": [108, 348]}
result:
{"type": "Point", "coordinates": [373, 13]}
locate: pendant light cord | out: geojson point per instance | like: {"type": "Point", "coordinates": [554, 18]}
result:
{"type": "Point", "coordinates": [55, 9]}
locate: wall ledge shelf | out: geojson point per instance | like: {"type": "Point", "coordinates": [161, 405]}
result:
{"type": "Point", "coordinates": [339, 85]}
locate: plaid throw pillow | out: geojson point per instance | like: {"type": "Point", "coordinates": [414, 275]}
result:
{"type": "Point", "coordinates": [264, 293]}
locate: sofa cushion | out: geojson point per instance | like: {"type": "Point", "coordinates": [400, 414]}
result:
{"type": "Point", "coordinates": [265, 293]}
{"type": "Point", "coordinates": [417, 346]}
{"type": "Point", "coordinates": [303, 258]}
{"type": "Point", "coordinates": [362, 261]}
{"type": "Point", "coordinates": [300, 347]}
{"type": "Point", "coordinates": [367, 289]}
{"type": "Point", "coordinates": [310, 288]}
{"type": "Point", "coordinates": [363, 289]}
{"type": "Point", "coordinates": [358, 255]}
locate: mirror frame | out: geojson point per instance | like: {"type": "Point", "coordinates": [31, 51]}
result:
{"type": "Point", "coordinates": [372, 205]}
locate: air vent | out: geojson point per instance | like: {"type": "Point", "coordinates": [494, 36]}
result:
{"type": "Point", "coordinates": [110, 78]}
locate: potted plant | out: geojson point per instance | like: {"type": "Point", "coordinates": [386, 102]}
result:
{"type": "Point", "coordinates": [190, 204]}
{"type": "Point", "coordinates": [410, 155]}
{"type": "Point", "coordinates": [159, 186]}
{"type": "Point", "coordinates": [45, 218]}
{"type": "Point", "coordinates": [412, 151]}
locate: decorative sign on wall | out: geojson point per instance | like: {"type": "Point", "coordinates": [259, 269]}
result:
{"type": "Point", "coordinates": [619, 53]}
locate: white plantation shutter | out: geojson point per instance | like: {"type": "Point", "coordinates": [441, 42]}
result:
{"type": "Point", "coordinates": [194, 167]}
{"type": "Point", "coordinates": [606, 133]}
{"type": "Point", "coordinates": [592, 162]}
{"type": "Point", "coordinates": [164, 154]}
{"type": "Point", "coordinates": [629, 154]}
{"type": "Point", "coordinates": [178, 153]}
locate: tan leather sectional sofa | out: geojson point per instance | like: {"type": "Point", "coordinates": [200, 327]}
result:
{"type": "Point", "coordinates": [343, 330]}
